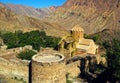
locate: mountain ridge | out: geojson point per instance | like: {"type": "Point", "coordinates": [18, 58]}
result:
{"type": "Point", "coordinates": [93, 15]}
{"type": "Point", "coordinates": [29, 11]}
{"type": "Point", "coordinates": [10, 21]}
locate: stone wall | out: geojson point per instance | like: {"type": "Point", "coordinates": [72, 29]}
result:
{"type": "Point", "coordinates": [101, 59]}
{"type": "Point", "coordinates": [53, 72]}
{"type": "Point", "coordinates": [14, 69]}
{"type": "Point", "coordinates": [14, 50]}
{"type": "Point", "coordinates": [73, 69]}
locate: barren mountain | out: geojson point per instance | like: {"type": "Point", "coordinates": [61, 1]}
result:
{"type": "Point", "coordinates": [93, 15]}
{"type": "Point", "coordinates": [30, 11]}
{"type": "Point", "coordinates": [99, 4]}
{"type": "Point", "coordinates": [10, 21]}
{"type": "Point", "coordinates": [107, 35]}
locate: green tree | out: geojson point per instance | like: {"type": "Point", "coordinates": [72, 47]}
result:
{"type": "Point", "coordinates": [113, 56]}
{"type": "Point", "coordinates": [10, 39]}
{"type": "Point", "coordinates": [95, 37]}
{"type": "Point", "coordinates": [26, 55]}
{"type": "Point", "coordinates": [36, 39]}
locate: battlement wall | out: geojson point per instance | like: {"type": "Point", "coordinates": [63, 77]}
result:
{"type": "Point", "coordinates": [14, 50]}
{"type": "Point", "coordinates": [14, 68]}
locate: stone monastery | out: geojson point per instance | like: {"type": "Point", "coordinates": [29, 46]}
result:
{"type": "Point", "coordinates": [48, 65]}
{"type": "Point", "coordinates": [76, 44]}
{"type": "Point", "coordinates": [53, 67]}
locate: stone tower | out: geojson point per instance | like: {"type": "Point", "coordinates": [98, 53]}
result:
{"type": "Point", "coordinates": [48, 68]}
{"type": "Point", "coordinates": [77, 32]}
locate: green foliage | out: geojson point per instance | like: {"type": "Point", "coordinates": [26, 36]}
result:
{"type": "Point", "coordinates": [35, 38]}
{"type": "Point", "coordinates": [67, 80]}
{"type": "Point", "coordinates": [21, 79]}
{"type": "Point", "coordinates": [113, 56]}
{"type": "Point", "coordinates": [86, 36]}
{"type": "Point", "coordinates": [94, 37]}
{"type": "Point", "coordinates": [10, 39]}
{"type": "Point", "coordinates": [26, 55]}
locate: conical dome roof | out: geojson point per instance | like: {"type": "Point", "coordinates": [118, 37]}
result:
{"type": "Point", "coordinates": [77, 28]}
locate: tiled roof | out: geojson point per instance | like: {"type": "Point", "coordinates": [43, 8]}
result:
{"type": "Point", "coordinates": [77, 28]}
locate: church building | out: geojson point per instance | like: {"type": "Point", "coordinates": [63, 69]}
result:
{"type": "Point", "coordinates": [76, 44]}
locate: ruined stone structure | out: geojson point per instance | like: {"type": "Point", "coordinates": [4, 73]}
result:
{"type": "Point", "coordinates": [11, 66]}
{"type": "Point", "coordinates": [76, 44]}
{"type": "Point", "coordinates": [72, 68]}
{"type": "Point", "coordinates": [14, 68]}
{"type": "Point", "coordinates": [48, 68]}
{"type": "Point", "coordinates": [5, 51]}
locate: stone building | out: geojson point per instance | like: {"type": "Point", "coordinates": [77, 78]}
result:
{"type": "Point", "coordinates": [48, 68]}
{"type": "Point", "coordinates": [76, 44]}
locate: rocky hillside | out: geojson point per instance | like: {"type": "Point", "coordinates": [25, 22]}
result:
{"type": "Point", "coordinates": [107, 35]}
{"type": "Point", "coordinates": [10, 21]}
{"type": "Point", "coordinates": [101, 5]}
{"type": "Point", "coordinates": [30, 11]}
{"type": "Point", "coordinates": [93, 15]}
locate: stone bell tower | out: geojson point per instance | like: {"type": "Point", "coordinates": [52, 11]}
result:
{"type": "Point", "coordinates": [48, 67]}
{"type": "Point", "coordinates": [77, 32]}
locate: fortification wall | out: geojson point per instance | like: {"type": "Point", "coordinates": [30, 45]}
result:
{"type": "Point", "coordinates": [14, 50]}
{"type": "Point", "coordinates": [72, 69]}
{"type": "Point", "coordinates": [48, 72]}
{"type": "Point", "coordinates": [14, 69]}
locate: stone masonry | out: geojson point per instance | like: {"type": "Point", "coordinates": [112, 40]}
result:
{"type": "Point", "coordinates": [48, 68]}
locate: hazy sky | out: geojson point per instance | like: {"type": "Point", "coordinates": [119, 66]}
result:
{"type": "Point", "coordinates": [36, 3]}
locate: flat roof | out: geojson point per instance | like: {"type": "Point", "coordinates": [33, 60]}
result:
{"type": "Point", "coordinates": [84, 47]}
{"type": "Point", "coordinates": [48, 58]}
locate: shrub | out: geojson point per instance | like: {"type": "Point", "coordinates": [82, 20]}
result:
{"type": "Point", "coordinates": [26, 55]}
{"type": "Point", "coordinates": [67, 80]}
{"type": "Point", "coordinates": [113, 56]}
